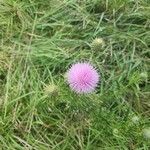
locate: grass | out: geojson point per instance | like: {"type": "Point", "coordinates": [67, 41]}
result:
{"type": "Point", "coordinates": [39, 40]}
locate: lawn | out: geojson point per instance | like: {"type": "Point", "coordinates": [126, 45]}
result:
{"type": "Point", "coordinates": [40, 40]}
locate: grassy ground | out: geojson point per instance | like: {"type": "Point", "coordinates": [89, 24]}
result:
{"type": "Point", "coordinates": [39, 40]}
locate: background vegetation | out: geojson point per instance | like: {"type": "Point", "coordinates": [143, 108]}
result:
{"type": "Point", "coordinates": [39, 40]}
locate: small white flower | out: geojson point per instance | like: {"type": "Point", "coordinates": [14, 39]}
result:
{"type": "Point", "coordinates": [146, 133]}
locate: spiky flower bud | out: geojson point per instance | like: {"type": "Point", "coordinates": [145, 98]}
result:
{"type": "Point", "coordinates": [143, 75]}
{"type": "Point", "coordinates": [135, 119]}
{"type": "Point", "coordinates": [97, 44]}
{"type": "Point", "coordinates": [146, 133]}
{"type": "Point", "coordinates": [115, 131]}
{"type": "Point", "coordinates": [51, 89]}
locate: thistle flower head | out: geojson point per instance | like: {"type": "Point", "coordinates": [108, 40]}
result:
{"type": "Point", "coordinates": [97, 44]}
{"type": "Point", "coordinates": [115, 131]}
{"type": "Point", "coordinates": [51, 89]}
{"type": "Point", "coordinates": [146, 133]}
{"type": "Point", "coordinates": [82, 78]}
{"type": "Point", "coordinates": [135, 119]}
{"type": "Point", "coordinates": [144, 75]}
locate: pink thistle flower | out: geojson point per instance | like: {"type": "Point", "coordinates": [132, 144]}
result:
{"type": "Point", "coordinates": [82, 78]}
